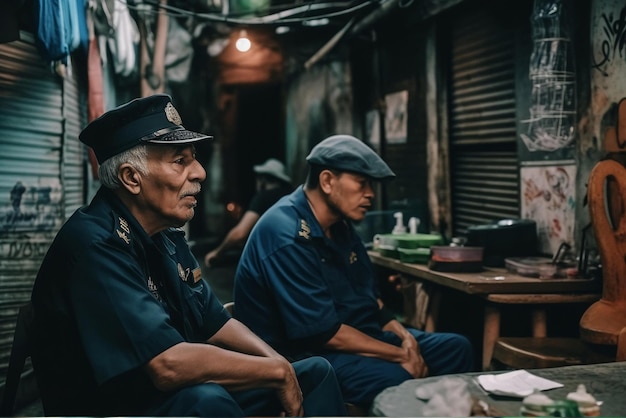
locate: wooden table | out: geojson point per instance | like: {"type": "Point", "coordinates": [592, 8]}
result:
{"type": "Point", "coordinates": [606, 382]}
{"type": "Point", "coordinates": [512, 289]}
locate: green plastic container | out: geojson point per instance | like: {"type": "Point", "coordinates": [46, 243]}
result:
{"type": "Point", "coordinates": [414, 255]}
{"type": "Point", "coordinates": [413, 241]}
{"type": "Point", "coordinates": [388, 251]}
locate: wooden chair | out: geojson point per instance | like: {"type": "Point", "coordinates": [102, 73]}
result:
{"type": "Point", "coordinates": [20, 351]}
{"type": "Point", "coordinates": [603, 324]}
{"type": "Point", "coordinates": [605, 320]}
{"type": "Point", "coordinates": [230, 308]}
{"type": "Point", "coordinates": [539, 352]}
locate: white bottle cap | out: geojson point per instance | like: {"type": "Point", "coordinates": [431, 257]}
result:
{"type": "Point", "coordinates": [581, 397]}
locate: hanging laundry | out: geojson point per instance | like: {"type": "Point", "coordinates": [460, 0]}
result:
{"type": "Point", "coordinates": [179, 53]}
{"type": "Point", "coordinates": [118, 33]}
{"type": "Point", "coordinates": [80, 36]}
{"type": "Point", "coordinates": [61, 28]}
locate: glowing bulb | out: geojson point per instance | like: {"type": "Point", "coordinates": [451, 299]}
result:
{"type": "Point", "coordinates": [243, 44]}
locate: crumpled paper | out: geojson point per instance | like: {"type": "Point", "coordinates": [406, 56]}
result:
{"type": "Point", "coordinates": [448, 397]}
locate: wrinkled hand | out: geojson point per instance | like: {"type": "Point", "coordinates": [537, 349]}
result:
{"type": "Point", "coordinates": [409, 342]}
{"type": "Point", "coordinates": [290, 394]}
{"type": "Point", "coordinates": [414, 363]}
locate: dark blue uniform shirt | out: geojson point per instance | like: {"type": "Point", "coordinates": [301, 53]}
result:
{"type": "Point", "coordinates": [107, 299]}
{"type": "Point", "coordinates": [294, 287]}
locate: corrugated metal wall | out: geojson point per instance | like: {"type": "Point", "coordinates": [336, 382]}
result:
{"type": "Point", "coordinates": [41, 171]}
{"type": "Point", "coordinates": [483, 145]}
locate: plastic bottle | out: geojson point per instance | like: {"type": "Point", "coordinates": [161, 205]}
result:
{"type": "Point", "coordinates": [414, 223]}
{"type": "Point", "coordinates": [536, 405]}
{"type": "Point", "coordinates": [399, 228]}
{"type": "Point", "coordinates": [587, 404]}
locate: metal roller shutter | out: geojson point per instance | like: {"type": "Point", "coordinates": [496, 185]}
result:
{"type": "Point", "coordinates": [41, 171]}
{"type": "Point", "coordinates": [483, 150]}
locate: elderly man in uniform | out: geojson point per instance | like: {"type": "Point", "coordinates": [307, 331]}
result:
{"type": "Point", "coordinates": [124, 323]}
{"type": "Point", "coordinates": [305, 283]}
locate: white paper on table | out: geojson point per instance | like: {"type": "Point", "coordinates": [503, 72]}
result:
{"type": "Point", "coordinates": [518, 383]}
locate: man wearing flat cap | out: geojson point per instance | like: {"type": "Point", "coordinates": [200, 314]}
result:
{"type": "Point", "coordinates": [124, 324]}
{"type": "Point", "coordinates": [305, 283]}
{"type": "Point", "coordinates": [272, 183]}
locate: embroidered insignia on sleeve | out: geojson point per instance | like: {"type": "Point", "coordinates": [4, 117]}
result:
{"type": "Point", "coordinates": [353, 258]}
{"type": "Point", "coordinates": [305, 230]}
{"type": "Point", "coordinates": [123, 230]}
{"type": "Point", "coordinates": [183, 272]}
{"type": "Point", "coordinates": [197, 275]}
{"type": "Point", "coordinates": [154, 290]}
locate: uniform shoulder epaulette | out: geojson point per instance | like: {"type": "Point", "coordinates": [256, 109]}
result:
{"type": "Point", "coordinates": [122, 229]}
{"type": "Point", "coordinates": [304, 231]}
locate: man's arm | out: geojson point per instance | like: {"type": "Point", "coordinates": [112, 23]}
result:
{"type": "Point", "coordinates": [234, 358]}
{"type": "Point", "coordinates": [351, 340]}
{"type": "Point", "coordinates": [236, 236]}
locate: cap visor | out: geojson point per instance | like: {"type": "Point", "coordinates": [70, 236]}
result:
{"type": "Point", "coordinates": [179, 137]}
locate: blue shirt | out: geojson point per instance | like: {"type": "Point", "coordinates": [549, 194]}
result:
{"type": "Point", "coordinates": [294, 284]}
{"type": "Point", "coordinates": [107, 299]}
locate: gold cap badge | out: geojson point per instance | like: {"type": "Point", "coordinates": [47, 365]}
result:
{"type": "Point", "coordinates": [172, 114]}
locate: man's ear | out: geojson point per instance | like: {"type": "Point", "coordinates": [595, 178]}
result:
{"type": "Point", "coordinates": [326, 179]}
{"type": "Point", "coordinates": [130, 178]}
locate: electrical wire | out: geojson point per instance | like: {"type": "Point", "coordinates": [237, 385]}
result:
{"type": "Point", "coordinates": [280, 18]}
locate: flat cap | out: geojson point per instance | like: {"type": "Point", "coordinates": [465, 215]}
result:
{"type": "Point", "coordinates": [151, 119]}
{"type": "Point", "coordinates": [347, 153]}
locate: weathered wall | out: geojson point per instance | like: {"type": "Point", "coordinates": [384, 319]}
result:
{"type": "Point", "coordinates": [607, 74]}
{"type": "Point", "coordinates": [319, 104]}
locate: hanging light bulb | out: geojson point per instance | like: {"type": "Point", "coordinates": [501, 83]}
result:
{"type": "Point", "coordinates": [243, 44]}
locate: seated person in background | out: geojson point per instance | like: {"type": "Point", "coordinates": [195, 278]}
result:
{"type": "Point", "coordinates": [305, 283]}
{"type": "Point", "coordinates": [124, 324]}
{"type": "Point", "coordinates": [272, 183]}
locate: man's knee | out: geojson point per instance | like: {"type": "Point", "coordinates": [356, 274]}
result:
{"type": "Point", "coordinates": [322, 394]}
{"type": "Point", "coordinates": [313, 369]}
{"type": "Point", "coordinates": [465, 352]}
{"type": "Point", "coordinates": [457, 355]}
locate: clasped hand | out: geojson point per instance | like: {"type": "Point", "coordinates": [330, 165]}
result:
{"type": "Point", "coordinates": [414, 362]}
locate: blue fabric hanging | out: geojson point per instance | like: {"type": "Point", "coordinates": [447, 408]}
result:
{"type": "Point", "coordinates": [61, 28]}
{"type": "Point", "coordinates": [80, 35]}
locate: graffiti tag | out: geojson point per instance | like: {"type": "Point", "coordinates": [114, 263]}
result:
{"type": "Point", "coordinates": [614, 43]}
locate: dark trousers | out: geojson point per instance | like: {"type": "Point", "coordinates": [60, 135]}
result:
{"type": "Point", "coordinates": [362, 378]}
{"type": "Point", "coordinates": [322, 397]}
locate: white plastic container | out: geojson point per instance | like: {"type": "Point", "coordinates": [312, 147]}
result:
{"type": "Point", "coordinates": [587, 405]}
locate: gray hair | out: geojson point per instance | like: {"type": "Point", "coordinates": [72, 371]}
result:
{"type": "Point", "coordinates": [109, 169]}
